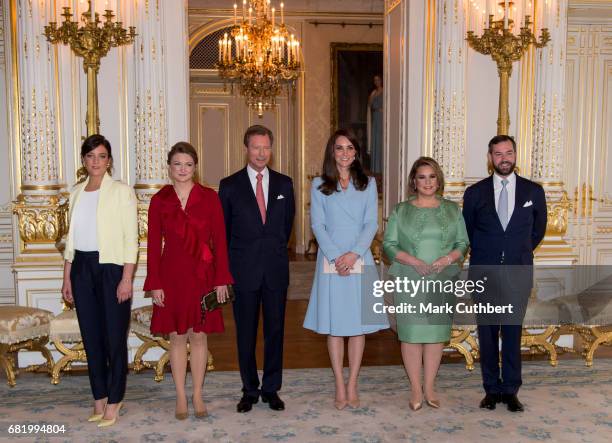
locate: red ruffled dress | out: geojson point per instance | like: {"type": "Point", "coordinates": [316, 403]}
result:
{"type": "Point", "coordinates": [192, 261]}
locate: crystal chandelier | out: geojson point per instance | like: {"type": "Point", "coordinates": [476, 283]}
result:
{"type": "Point", "coordinates": [259, 55]}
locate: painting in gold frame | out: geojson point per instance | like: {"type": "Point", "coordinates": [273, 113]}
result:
{"type": "Point", "coordinates": [353, 68]}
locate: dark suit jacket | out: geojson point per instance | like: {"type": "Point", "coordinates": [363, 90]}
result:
{"type": "Point", "coordinates": [490, 244]}
{"type": "Point", "coordinates": [258, 251]}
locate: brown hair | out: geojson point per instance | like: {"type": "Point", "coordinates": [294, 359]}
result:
{"type": "Point", "coordinates": [257, 130]}
{"type": "Point", "coordinates": [330, 174]}
{"type": "Point", "coordinates": [425, 161]}
{"type": "Point", "coordinates": [499, 139]}
{"type": "Point", "coordinates": [89, 144]}
{"type": "Point", "coordinates": [183, 148]}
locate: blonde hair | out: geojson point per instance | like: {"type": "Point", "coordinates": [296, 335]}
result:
{"type": "Point", "coordinates": [425, 161]}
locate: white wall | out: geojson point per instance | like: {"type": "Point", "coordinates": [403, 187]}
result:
{"type": "Point", "coordinates": [7, 286]}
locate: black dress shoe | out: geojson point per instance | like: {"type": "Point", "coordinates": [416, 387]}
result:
{"type": "Point", "coordinates": [273, 401]}
{"type": "Point", "coordinates": [246, 403]}
{"type": "Point", "coordinates": [489, 401]}
{"type": "Point", "coordinates": [513, 403]}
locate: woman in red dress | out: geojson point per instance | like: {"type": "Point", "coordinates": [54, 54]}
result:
{"type": "Point", "coordinates": [193, 261]}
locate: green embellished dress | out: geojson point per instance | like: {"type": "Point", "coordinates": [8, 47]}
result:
{"type": "Point", "coordinates": [428, 234]}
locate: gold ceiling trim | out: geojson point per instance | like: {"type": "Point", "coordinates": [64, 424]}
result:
{"type": "Point", "coordinates": [226, 12]}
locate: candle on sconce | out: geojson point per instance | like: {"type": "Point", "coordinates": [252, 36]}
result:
{"type": "Point", "coordinates": [92, 7]}
{"type": "Point", "coordinates": [282, 13]}
{"type": "Point", "coordinates": [469, 16]}
{"type": "Point", "coordinates": [273, 12]}
{"type": "Point", "coordinates": [244, 2]}
{"type": "Point", "coordinates": [506, 13]}
{"type": "Point", "coordinates": [487, 12]}
{"type": "Point", "coordinates": [483, 21]}
{"type": "Point", "coordinates": [225, 46]}
{"type": "Point", "coordinates": [220, 49]}
{"type": "Point", "coordinates": [235, 13]}
{"type": "Point", "coordinates": [250, 12]}
{"type": "Point", "coordinates": [289, 51]}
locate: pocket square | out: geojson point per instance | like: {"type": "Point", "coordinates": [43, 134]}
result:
{"type": "Point", "coordinates": [280, 197]}
{"type": "Point", "coordinates": [527, 204]}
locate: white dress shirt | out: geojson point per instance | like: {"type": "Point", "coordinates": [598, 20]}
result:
{"type": "Point", "coordinates": [265, 182]}
{"type": "Point", "coordinates": [510, 187]}
{"type": "Point", "coordinates": [85, 222]}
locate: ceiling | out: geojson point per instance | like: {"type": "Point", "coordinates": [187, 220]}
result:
{"type": "Point", "coordinates": [368, 6]}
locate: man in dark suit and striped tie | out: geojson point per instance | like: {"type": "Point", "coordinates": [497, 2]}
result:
{"type": "Point", "coordinates": [259, 207]}
{"type": "Point", "coordinates": [505, 216]}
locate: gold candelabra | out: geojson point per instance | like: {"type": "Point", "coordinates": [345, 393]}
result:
{"type": "Point", "coordinates": [259, 55]}
{"type": "Point", "coordinates": [92, 42]}
{"type": "Point", "coordinates": [505, 47]}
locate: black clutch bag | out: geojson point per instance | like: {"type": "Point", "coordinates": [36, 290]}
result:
{"type": "Point", "coordinates": [210, 302]}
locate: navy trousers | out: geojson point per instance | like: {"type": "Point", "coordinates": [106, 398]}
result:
{"type": "Point", "coordinates": [246, 315]}
{"type": "Point", "coordinates": [104, 323]}
{"type": "Point", "coordinates": [488, 338]}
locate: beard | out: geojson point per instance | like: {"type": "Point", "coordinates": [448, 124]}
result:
{"type": "Point", "coordinates": [504, 168]}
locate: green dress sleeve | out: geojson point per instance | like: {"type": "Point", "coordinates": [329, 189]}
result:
{"type": "Point", "coordinates": [461, 240]}
{"type": "Point", "coordinates": [391, 238]}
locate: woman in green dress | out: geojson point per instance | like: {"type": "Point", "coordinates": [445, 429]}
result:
{"type": "Point", "coordinates": [425, 238]}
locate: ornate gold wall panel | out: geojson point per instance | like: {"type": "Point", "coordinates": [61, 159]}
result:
{"type": "Point", "coordinates": [41, 219]}
{"type": "Point", "coordinates": [588, 131]}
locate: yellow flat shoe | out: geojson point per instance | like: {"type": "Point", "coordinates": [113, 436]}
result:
{"type": "Point", "coordinates": [103, 423]}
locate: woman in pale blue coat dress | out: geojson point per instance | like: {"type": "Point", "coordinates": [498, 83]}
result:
{"type": "Point", "coordinates": [344, 218]}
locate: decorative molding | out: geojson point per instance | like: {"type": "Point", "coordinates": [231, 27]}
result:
{"type": "Point", "coordinates": [549, 103]}
{"type": "Point", "coordinates": [6, 238]}
{"type": "Point", "coordinates": [558, 210]}
{"type": "Point", "coordinates": [150, 112]}
{"type": "Point", "coordinates": [37, 92]}
{"type": "Point", "coordinates": [604, 230]}
{"type": "Point", "coordinates": [42, 219]}
{"type": "Point", "coordinates": [2, 37]}
{"type": "Point", "coordinates": [449, 118]}
{"type": "Point", "coordinates": [199, 90]}
{"type": "Point", "coordinates": [390, 5]}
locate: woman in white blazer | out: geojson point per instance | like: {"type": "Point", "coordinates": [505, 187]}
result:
{"type": "Point", "coordinates": [100, 257]}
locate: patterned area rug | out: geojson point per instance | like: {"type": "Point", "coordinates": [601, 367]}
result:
{"type": "Point", "coordinates": [570, 403]}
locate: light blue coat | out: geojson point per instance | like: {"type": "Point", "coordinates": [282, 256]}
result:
{"type": "Point", "coordinates": [342, 222]}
